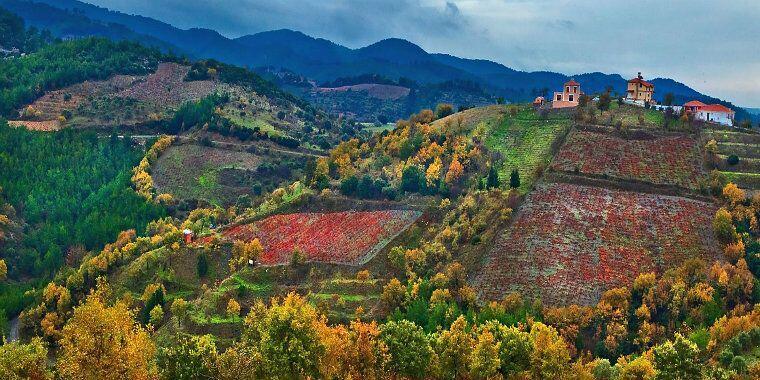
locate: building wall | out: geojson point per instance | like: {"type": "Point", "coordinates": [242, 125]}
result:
{"type": "Point", "coordinates": [639, 92]}
{"type": "Point", "coordinates": [724, 118]}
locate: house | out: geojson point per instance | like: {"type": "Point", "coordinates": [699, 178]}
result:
{"type": "Point", "coordinates": [711, 113]}
{"type": "Point", "coordinates": [569, 95]}
{"type": "Point", "coordinates": [539, 101]}
{"type": "Point", "coordinates": [639, 91]}
{"type": "Point", "coordinates": [188, 235]}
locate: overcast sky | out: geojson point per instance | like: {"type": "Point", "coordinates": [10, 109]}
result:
{"type": "Point", "coordinates": [713, 46]}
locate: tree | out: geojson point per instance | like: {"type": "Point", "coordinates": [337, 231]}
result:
{"type": "Point", "coordinates": [677, 359]}
{"type": "Point", "coordinates": [3, 270]}
{"type": "Point", "coordinates": [724, 227]}
{"type": "Point", "coordinates": [104, 342]}
{"type": "Point", "coordinates": [409, 348]}
{"type": "Point", "coordinates": [179, 309]}
{"type": "Point", "coordinates": [233, 308]}
{"type": "Point", "coordinates": [443, 110]}
{"type": "Point", "coordinates": [514, 179]}
{"type": "Point", "coordinates": [604, 101]}
{"type": "Point", "coordinates": [492, 181]}
{"type": "Point", "coordinates": [668, 99]}
{"type": "Point", "coordinates": [550, 356]}
{"type": "Point", "coordinates": [24, 361]}
{"type": "Point", "coordinates": [455, 172]}
{"type": "Point", "coordinates": [244, 253]}
{"type": "Point", "coordinates": [484, 359]}
{"type": "Point", "coordinates": [433, 173]}
{"type": "Point", "coordinates": [202, 265]}
{"type": "Point", "coordinates": [638, 369]}
{"type": "Point", "coordinates": [188, 359]}
{"type": "Point", "coordinates": [734, 194]}
{"type": "Point", "coordinates": [453, 348]}
{"type": "Point", "coordinates": [156, 315]}
{"type": "Point", "coordinates": [285, 336]}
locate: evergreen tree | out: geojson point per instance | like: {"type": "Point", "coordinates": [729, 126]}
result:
{"type": "Point", "coordinates": [493, 178]}
{"type": "Point", "coordinates": [514, 179]}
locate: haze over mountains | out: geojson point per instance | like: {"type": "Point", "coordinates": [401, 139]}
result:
{"type": "Point", "coordinates": [321, 60]}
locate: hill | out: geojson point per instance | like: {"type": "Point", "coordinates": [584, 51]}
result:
{"type": "Point", "coordinates": [321, 60]}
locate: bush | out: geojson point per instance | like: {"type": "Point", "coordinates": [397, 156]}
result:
{"type": "Point", "coordinates": [732, 160]}
{"type": "Point", "coordinates": [202, 265]}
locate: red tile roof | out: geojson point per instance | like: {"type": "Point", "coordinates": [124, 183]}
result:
{"type": "Point", "coordinates": [694, 103]}
{"type": "Point", "coordinates": [716, 108]}
{"type": "Point", "coordinates": [572, 82]}
{"type": "Point", "coordinates": [641, 81]}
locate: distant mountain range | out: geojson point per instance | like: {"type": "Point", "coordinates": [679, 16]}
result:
{"type": "Point", "coordinates": [320, 60]}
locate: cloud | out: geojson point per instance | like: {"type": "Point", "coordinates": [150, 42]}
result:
{"type": "Point", "coordinates": [711, 46]}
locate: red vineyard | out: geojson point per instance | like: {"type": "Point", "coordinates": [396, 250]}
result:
{"type": "Point", "coordinates": [671, 160]}
{"type": "Point", "coordinates": [570, 243]}
{"type": "Point", "coordinates": [350, 238]}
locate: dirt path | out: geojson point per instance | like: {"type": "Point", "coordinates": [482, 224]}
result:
{"type": "Point", "coordinates": [222, 144]}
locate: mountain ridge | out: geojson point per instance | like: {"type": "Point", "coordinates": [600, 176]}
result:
{"type": "Point", "coordinates": [323, 60]}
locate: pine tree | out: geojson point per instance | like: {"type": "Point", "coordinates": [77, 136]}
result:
{"type": "Point", "coordinates": [493, 178]}
{"type": "Point", "coordinates": [514, 179]}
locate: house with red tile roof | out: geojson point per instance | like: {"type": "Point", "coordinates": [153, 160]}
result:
{"type": "Point", "coordinates": [571, 91]}
{"type": "Point", "coordinates": [639, 90]}
{"type": "Point", "coordinates": [711, 113]}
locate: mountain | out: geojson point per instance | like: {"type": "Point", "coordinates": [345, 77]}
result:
{"type": "Point", "coordinates": [321, 60]}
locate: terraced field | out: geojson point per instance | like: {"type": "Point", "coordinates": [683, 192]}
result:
{"type": "Point", "coordinates": [525, 142]}
{"type": "Point", "coordinates": [216, 175]}
{"type": "Point", "coordinates": [350, 238]}
{"type": "Point", "coordinates": [746, 147]}
{"type": "Point", "coordinates": [569, 243]}
{"type": "Point", "coordinates": [661, 160]}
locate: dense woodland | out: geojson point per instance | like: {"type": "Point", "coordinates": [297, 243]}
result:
{"type": "Point", "coordinates": [87, 248]}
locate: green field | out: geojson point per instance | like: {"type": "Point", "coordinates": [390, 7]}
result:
{"type": "Point", "coordinates": [525, 142]}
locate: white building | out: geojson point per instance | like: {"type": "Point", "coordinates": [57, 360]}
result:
{"type": "Point", "coordinates": [712, 113]}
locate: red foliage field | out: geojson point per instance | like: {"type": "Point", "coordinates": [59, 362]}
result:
{"type": "Point", "coordinates": [350, 238]}
{"type": "Point", "coordinates": [668, 160]}
{"type": "Point", "coordinates": [570, 243]}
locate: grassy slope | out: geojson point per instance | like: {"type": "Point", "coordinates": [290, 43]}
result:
{"type": "Point", "coordinates": [525, 141]}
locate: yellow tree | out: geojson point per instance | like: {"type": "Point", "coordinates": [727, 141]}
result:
{"type": "Point", "coordinates": [24, 361]}
{"type": "Point", "coordinates": [455, 171]}
{"type": "Point", "coordinates": [433, 172]}
{"type": "Point", "coordinates": [104, 342]}
{"type": "Point", "coordinates": [550, 356]}
{"type": "Point", "coordinates": [3, 270]}
{"type": "Point", "coordinates": [243, 253]}
{"type": "Point", "coordinates": [453, 347]}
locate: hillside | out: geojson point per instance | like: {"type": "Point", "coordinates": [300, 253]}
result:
{"type": "Point", "coordinates": [164, 217]}
{"type": "Point", "coordinates": [321, 60]}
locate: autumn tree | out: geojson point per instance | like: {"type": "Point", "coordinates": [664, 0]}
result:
{"type": "Point", "coordinates": [285, 336]}
{"type": "Point", "coordinates": [443, 110]}
{"type": "Point", "coordinates": [233, 308]}
{"type": "Point", "coordinates": [3, 270]}
{"type": "Point", "coordinates": [24, 361]}
{"type": "Point", "coordinates": [550, 357]}
{"type": "Point", "coordinates": [455, 172]}
{"type": "Point", "coordinates": [104, 342]}
{"type": "Point", "coordinates": [724, 227]}
{"type": "Point", "coordinates": [453, 348]}
{"type": "Point", "coordinates": [367, 356]}
{"type": "Point", "coordinates": [485, 361]}
{"type": "Point", "coordinates": [244, 253]}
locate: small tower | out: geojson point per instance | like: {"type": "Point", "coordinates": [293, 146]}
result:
{"type": "Point", "coordinates": [571, 91]}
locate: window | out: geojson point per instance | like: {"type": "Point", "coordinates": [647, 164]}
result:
{"type": "Point", "coordinates": [567, 89]}
{"type": "Point", "coordinates": [571, 98]}
{"type": "Point", "coordinates": [559, 97]}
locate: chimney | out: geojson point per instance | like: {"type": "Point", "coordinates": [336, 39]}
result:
{"type": "Point", "coordinates": [640, 77]}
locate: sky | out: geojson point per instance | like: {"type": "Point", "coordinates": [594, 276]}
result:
{"type": "Point", "coordinates": [712, 46]}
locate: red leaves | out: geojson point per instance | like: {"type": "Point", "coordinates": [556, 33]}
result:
{"type": "Point", "coordinates": [351, 238]}
{"type": "Point", "coordinates": [569, 243]}
{"type": "Point", "coordinates": [662, 160]}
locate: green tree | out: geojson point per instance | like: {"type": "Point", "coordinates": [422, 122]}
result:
{"type": "Point", "coordinates": [492, 181]}
{"type": "Point", "coordinates": [409, 348]}
{"type": "Point", "coordinates": [514, 179]}
{"type": "Point", "coordinates": [453, 348]}
{"type": "Point", "coordinates": [677, 359]}
{"type": "Point", "coordinates": [669, 99]}
{"type": "Point", "coordinates": [24, 361]}
{"type": "Point", "coordinates": [202, 265]}
{"type": "Point", "coordinates": [604, 101]}
{"type": "Point", "coordinates": [188, 359]}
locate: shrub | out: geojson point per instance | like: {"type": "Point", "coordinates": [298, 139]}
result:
{"type": "Point", "coordinates": [732, 160]}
